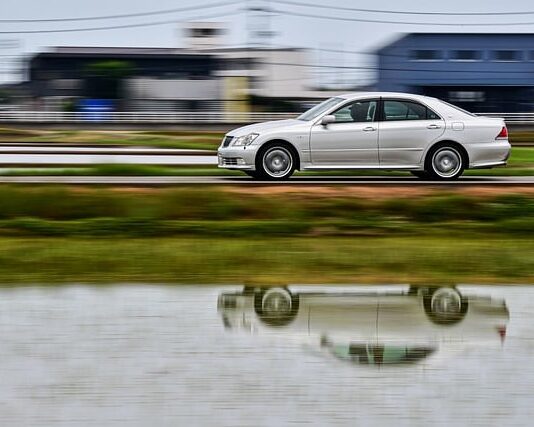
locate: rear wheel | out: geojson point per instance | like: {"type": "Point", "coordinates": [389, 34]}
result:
{"type": "Point", "coordinates": [445, 162]}
{"type": "Point", "coordinates": [275, 162]}
{"type": "Point", "coordinates": [444, 306]}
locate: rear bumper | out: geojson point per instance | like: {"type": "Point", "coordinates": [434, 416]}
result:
{"type": "Point", "coordinates": [488, 154]}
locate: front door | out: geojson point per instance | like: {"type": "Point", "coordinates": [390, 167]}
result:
{"type": "Point", "coordinates": [351, 141]}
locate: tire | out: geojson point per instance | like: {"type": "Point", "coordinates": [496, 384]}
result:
{"type": "Point", "coordinates": [445, 162]}
{"type": "Point", "coordinates": [445, 305]}
{"type": "Point", "coordinates": [420, 174]}
{"type": "Point", "coordinates": [276, 306]}
{"type": "Point", "coordinates": [253, 174]}
{"type": "Point", "coordinates": [275, 162]}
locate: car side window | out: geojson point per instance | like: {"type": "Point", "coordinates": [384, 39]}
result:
{"type": "Point", "coordinates": [407, 110]}
{"type": "Point", "coordinates": [430, 115]}
{"type": "Point", "coordinates": [357, 112]}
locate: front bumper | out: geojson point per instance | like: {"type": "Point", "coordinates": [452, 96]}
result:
{"type": "Point", "coordinates": [242, 158]}
{"type": "Point", "coordinates": [488, 154]}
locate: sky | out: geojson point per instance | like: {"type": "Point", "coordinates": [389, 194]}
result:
{"type": "Point", "coordinates": [290, 30]}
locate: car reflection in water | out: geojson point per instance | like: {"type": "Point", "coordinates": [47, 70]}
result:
{"type": "Point", "coordinates": [370, 328]}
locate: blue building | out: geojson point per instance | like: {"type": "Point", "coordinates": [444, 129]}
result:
{"type": "Point", "coordinates": [481, 72]}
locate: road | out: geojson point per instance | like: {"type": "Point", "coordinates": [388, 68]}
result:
{"type": "Point", "coordinates": [13, 155]}
{"type": "Point", "coordinates": [341, 180]}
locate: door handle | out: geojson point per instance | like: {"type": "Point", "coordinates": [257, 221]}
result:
{"type": "Point", "coordinates": [433, 126]}
{"type": "Point", "coordinates": [369, 129]}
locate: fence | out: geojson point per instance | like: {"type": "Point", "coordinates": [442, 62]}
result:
{"type": "Point", "coordinates": [144, 117]}
{"type": "Point", "coordinates": [513, 118]}
{"type": "Point", "coordinates": [183, 117]}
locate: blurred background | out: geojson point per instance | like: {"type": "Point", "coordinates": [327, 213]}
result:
{"type": "Point", "coordinates": [217, 60]}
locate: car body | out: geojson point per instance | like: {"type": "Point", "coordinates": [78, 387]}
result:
{"type": "Point", "coordinates": [370, 130]}
{"type": "Point", "coordinates": [370, 327]}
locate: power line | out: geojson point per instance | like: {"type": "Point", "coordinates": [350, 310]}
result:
{"type": "Point", "coordinates": [399, 12]}
{"type": "Point", "coordinates": [127, 15]}
{"type": "Point", "coordinates": [381, 21]}
{"type": "Point", "coordinates": [118, 27]}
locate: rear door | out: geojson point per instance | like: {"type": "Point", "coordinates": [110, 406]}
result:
{"type": "Point", "coordinates": [351, 141]}
{"type": "Point", "coordinates": [406, 128]}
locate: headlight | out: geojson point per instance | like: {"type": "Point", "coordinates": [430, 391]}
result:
{"type": "Point", "coordinates": [245, 140]}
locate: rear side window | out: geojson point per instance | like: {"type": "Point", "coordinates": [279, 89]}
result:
{"type": "Point", "coordinates": [430, 115]}
{"type": "Point", "coordinates": [407, 110]}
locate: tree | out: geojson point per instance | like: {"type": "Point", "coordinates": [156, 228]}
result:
{"type": "Point", "coordinates": [104, 78]}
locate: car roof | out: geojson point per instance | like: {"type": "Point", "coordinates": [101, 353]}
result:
{"type": "Point", "coordinates": [356, 95]}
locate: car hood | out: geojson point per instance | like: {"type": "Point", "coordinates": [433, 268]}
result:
{"type": "Point", "coordinates": [266, 127]}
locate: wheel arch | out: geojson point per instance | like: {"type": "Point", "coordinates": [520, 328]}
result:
{"type": "Point", "coordinates": [285, 143]}
{"type": "Point", "coordinates": [445, 142]}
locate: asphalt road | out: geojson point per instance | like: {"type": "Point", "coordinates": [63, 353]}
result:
{"type": "Point", "coordinates": [234, 180]}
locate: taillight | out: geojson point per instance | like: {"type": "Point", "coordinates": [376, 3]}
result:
{"type": "Point", "coordinates": [503, 134]}
{"type": "Point", "coordinates": [502, 332]}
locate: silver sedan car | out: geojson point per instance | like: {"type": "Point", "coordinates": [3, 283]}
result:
{"type": "Point", "coordinates": [373, 130]}
{"type": "Point", "coordinates": [371, 327]}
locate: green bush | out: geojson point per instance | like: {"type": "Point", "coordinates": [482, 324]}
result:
{"type": "Point", "coordinates": [63, 210]}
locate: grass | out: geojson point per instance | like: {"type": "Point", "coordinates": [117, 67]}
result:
{"type": "Point", "coordinates": [16, 133]}
{"type": "Point", "coordinates": [54, 234]}
{"type": "Point", "coordinates": [221, 212]}
{"type": "Point", "coordinates": [266, 260]}
{"type": "Point", "coordinates": [120, 170]}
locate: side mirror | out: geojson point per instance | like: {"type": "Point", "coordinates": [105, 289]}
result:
{"type": "Point", "coordinates": [326, 120]}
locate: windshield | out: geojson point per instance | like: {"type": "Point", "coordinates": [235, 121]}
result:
{"type": "Point", "coordinates": [319, 109]}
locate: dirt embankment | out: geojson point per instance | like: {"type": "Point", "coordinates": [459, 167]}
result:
{"type": "Point", "coordinates": [382, 192]}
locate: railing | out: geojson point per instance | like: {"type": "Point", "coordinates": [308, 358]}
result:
{"type": "Point", "coordinates": [512, 118]}
{"type": "Point", "coordinates": [142, 117]}
{"type": "Point", "coordinates": [183, 117]}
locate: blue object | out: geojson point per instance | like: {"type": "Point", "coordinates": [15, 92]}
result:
{"type": "Point", "coordinates": [96, 110]}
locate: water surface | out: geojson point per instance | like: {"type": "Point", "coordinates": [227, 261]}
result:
{"type": "Point", "coordinates": [180, 355]}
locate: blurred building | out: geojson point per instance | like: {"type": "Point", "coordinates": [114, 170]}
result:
{"type": "Point", "coordinates": [204, 75]}
{"type": "Point", "coordinates": [64, 73]}
{"type": "Point", "coordinates": [173, 79]}
{"type": "Point", "coordinates": [481, 72]}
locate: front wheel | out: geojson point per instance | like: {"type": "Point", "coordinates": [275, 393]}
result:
{"type": "Point", "coordinates": [276, 306]}
{"type": "Point", "coordinates": [445, 162]}
{"type": "Point", "coordinates": [275, 162]}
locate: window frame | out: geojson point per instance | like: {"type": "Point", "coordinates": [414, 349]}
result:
{"type": "Point", "coordinates": [441, 54]}
{"type": "Point", "coordinates": [520, 58]}
{"type": "Point", "coordinates": [382, 111]}
{"type": "Point", "coordinates": [377, 111]}
{"type": "Point", "coordinates": [476, 51]}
